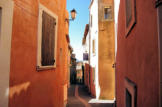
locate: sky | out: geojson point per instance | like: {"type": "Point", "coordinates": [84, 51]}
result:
{"type": "Point", "coordinates": [77, 27]}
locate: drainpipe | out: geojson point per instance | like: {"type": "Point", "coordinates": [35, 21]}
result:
{"type": "Point", "coordinates": [158, 6]}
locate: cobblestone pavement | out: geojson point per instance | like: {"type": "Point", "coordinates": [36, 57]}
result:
{"type": "Point", "coordinates": [78, 96]}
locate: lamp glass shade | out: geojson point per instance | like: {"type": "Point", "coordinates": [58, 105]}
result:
{"type": "Point", "coordinates": [73, 14]}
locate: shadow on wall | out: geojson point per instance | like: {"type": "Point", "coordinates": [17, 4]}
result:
{"type": "Point", "coordinates": [36, 93]}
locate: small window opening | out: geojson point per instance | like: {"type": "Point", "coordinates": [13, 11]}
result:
{"type": "Point", "coordinates": [108, 12]}
{"type": "Point", "coordinates": [91, 21]}
{"type": "Point", "coordinates": [94, 48]}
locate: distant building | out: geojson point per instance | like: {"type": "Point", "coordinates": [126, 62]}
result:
{"type": "Point", "coordinates": [86, 57]}
{"type": "Point", "coordinates": [69, 63]}
{"type": "Point", "coordinates": [73, 69]}
{"type": "Point", "coordinates": [73, 56]}
{"type": "Point", "coordinates": [85, 43]}
{"type": "Point", "coordinates": [79, 72]}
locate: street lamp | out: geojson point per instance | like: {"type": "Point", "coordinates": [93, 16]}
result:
{"type": "Point", "coordinates": [73, 15]}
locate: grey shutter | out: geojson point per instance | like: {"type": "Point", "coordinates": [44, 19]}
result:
{"type": "Point", "coordinates": [48, 39]}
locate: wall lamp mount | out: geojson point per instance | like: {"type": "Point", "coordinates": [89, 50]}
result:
{"type": "Point", "coordinates": [73, 15]}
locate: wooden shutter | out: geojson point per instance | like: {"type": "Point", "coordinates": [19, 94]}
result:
{"type": "Point", "coordinates": [48, 39]}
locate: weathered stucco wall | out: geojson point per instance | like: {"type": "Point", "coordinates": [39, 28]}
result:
{"type": "Point", "coordinates": [137, 55]}
{"type": "Point", "coordinates": [28, 87]}
{"type": "Point", "coordinates": [106, 52]}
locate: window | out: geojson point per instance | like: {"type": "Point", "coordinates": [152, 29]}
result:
{"type": "Point", "coordinates": [108, 13]}
{"type": "Point", "coordinates": [94, 70]}
{"type": "Point", "coordinates": [130, 15]}
{"type": "Point", "coordinates": [91, 21]}
{"type": "Point", "coordinates": [93, 44]}
{"type": "Point", "coordinates": [47, 39]}
{"type": "Point", "coordinates": [85, 56]}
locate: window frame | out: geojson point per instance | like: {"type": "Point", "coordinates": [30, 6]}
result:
{"type": "Point", "coordinates": [132, 22]}
{"type": "Point", "coordinates": [42, 9]}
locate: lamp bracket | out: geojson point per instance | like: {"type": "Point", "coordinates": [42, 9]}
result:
{"type": "Point", "coordinates": [69, 20]}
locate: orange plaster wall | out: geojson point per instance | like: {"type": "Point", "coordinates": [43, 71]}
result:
{"type": "Point", "coordinates": [28, 87]}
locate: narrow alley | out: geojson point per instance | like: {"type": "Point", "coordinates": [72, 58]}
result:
{"type": "Point", "coordinates": [80, 53]}
{"type": "Point", "coordinates": [78, 96]}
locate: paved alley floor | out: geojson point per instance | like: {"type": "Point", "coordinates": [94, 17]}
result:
{"type": "Point", "coordinates": [78, 96]}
